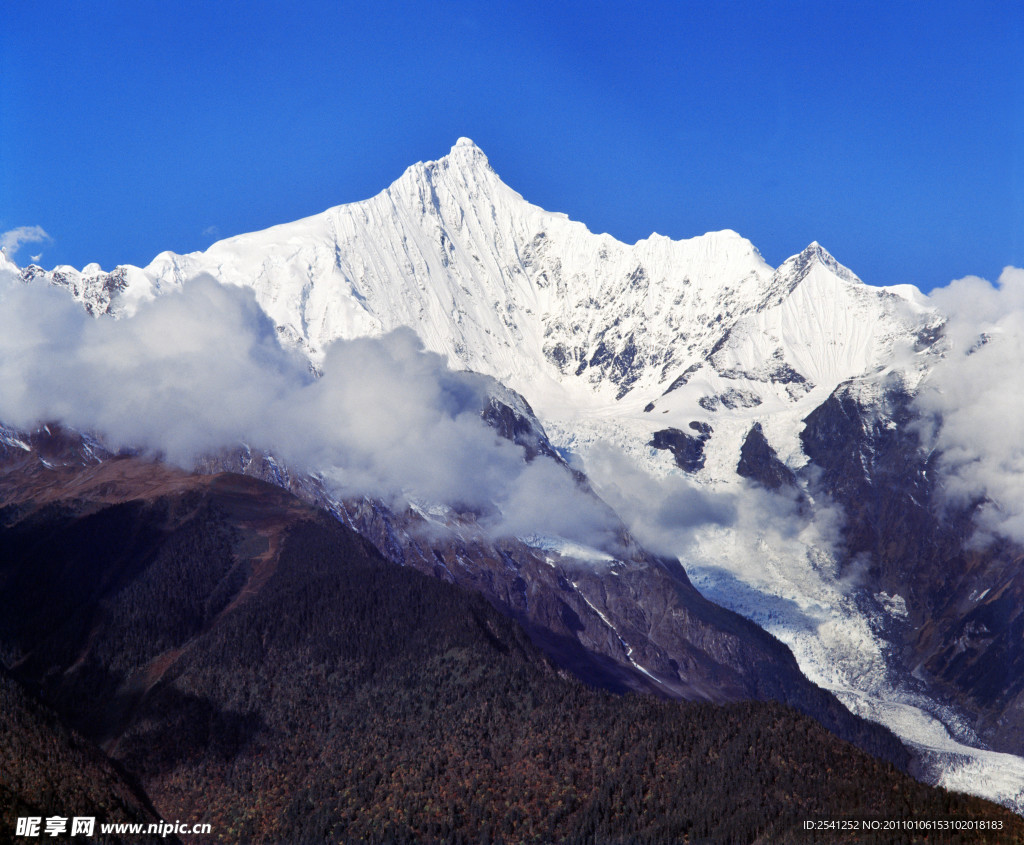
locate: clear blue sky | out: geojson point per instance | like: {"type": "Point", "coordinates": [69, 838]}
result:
{"type": "Point", "coordinates": [891, 132]}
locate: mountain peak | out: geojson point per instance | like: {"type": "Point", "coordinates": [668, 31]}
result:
{"type": "Point", "coordinates": [466, 162]}
{"type": "Point", "coordinates": [465, 149]}
{"type": "Point", "coordinates": [814, 253]}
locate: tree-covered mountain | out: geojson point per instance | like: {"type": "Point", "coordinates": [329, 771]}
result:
{"type": "Point", "coordinates": [255, 664]}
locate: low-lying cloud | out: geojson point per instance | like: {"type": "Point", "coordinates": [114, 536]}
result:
{"type": "Point", "coordinates": [776, 542]}
{"type": "Point", "coordinates": [199, 370]}
{"type": "Point", "coordinates": [662, 511]}
{"type": "Point", "coordinates": [974, 398]}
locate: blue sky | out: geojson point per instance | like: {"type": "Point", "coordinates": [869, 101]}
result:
{"type": "Point", "coordinates": [893, 133]}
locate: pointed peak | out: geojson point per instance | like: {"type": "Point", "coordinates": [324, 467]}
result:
{"type": "Point", "coordinates": [813, 254]}
{"type": "Point", "coordinates": [816, 250]}
{"type": "Point", "coordinates": [465, 158]}
{"type": "Point", "coordinates": [464, 147]}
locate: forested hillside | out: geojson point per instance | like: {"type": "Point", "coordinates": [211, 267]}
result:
{"type": "Point", "coordinates": [258, 666]}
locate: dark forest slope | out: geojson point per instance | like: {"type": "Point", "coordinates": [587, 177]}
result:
{"type": "Point", "coordinates": [260, 667]}
{"type": "Point", "coordinates": [48, 770]}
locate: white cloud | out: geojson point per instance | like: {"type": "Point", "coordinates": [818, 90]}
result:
{"type": "Point", "coordinates": [12, 239]}
{"type": "Point", "coordinates": [202, 369]}
{"type": "Point", "coordinates": [671, 514]}
{"type": "Point", "coordinates": [663, 512]}
{"type": "Point", "coordinates": [975, 400]}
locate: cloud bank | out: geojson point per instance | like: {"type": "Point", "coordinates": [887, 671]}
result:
{"type": "Point", "coordinates": [974, 398]}
{"type": "Point", "coordinates": [199, 370]}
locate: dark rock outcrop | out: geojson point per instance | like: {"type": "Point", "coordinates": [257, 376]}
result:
{"type": "Point", "coordinates": [964, 630]}
{"type": "Point", "coordinates": [686, 449]}
{"type": "Point", "coordinates": [759, 462]}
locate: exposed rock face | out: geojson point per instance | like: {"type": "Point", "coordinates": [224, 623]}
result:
{"type": "Point", "coordinates": [97, 291]}
{"type": "Point", "coordinates": [759, 462]}
{"type": "Point", "coordinates": [964, 607]}
{"type": "Point", "coordinates": [687, 450]}
{"type": "Point", "coordinates": [730, 400]}
{"type": "Point", "coordinates": [520, 426]}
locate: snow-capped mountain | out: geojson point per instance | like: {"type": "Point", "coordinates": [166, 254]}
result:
{"type": "Point", "coordinates": [588, 328]}
{"type": "Point", "coordinates": [737, 416]}
{"type": "Point", "coordinates": [505, 288]}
